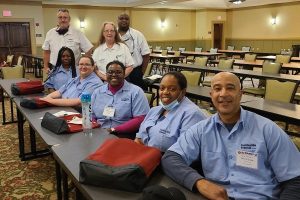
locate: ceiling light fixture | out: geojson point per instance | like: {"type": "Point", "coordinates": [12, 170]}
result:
{"type": "Point", "coordinates": [236, 1]}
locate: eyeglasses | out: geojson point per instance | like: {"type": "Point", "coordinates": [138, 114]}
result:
{"type": "Point", "coordinates": [117, 73]}
{"type": "Point", "coordinates": [85, 64]}
{"type": "Point", "coordinates": [109, 31]}
{"type": "Point", "coordinates": [61, 17]}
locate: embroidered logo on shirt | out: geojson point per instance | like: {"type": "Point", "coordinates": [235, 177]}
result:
{"type": "Point", "coordinates": [249, 147]}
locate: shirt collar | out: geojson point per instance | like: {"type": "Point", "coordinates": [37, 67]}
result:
{"type": "Point", "coordinates": [241, 121]}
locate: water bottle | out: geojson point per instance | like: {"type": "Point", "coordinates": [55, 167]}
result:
{"type": "Point", "coordinates": [86, 113]}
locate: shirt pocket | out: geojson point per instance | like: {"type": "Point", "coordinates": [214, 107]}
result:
{"type": "Point", "coordinates": [124, 109]}
{"type": "Point", "coordinates": [214, 166]}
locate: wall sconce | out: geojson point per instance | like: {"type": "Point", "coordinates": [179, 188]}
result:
{"type": "Point", "coordinates": [162, 24]}
{"type": "Point", "coordinates": [273, 21]}
{"type": "Point", "coordinates": [82, 24]}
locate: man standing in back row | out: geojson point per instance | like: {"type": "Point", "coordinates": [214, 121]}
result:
{"type": "Point", "coordinates": [64, 36]}
{"type": "Point", "coordinates": [138, 47]}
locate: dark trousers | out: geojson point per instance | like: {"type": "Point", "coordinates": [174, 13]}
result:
{"type": "Point", "coordinates": [136, 77]}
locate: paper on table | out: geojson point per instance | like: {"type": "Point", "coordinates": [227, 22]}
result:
{"type": "Point", "coordinates": [154, 77]}
{"type": "Point", "coordinates": [75, 120]}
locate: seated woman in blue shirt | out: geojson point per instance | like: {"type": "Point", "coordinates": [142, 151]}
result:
{"type": "Point", "coordinates": [119, 105]}
{"type": "Point", "coordinates": [63, 71]}
{"type": "Point", "coordinates": [70, 93]}
{"type": "Point", "coordinates": [165, 123]}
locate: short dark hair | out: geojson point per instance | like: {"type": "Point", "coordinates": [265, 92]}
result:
{"type": "Point", "coordinates": [182, 82]}
{"type": "Point", "coordinates": [89, 57]}
{"type": "Point", "coordinates": [116, 62]}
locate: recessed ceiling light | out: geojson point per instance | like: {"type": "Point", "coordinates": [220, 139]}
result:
{"type": "Point", "coordinates": [236, 1]}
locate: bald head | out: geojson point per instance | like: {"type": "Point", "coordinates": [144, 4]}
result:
{"type": "Point", "coordinates": [226, 95]}
{"type": "Point", "coordinates": [230, 77]}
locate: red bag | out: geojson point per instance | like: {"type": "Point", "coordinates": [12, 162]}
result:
{"type": "Point", "coordinates": [34, 103]}
{"type": "Point", "coordinates": [27, 87]}
{"type": "Point", "coordinates": [120, 164]}
{"type": "Point", "coordinates": [73, 128]}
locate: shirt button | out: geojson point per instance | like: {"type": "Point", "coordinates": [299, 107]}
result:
{"type": "Point", "coordinates": [232, 174]}
{"type": "Point", "coordinates": [235, 190]}
{"type": "Point", "coordinates": [230, 156]}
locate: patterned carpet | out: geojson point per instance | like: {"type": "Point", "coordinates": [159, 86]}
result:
{"type": "Point", "coordinates": [26, 180]}
{"type": "Point", "coordinates": [35, 179]}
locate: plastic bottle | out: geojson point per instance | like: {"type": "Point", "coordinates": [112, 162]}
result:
{"type": "Point", "coordinates": [86, 113]}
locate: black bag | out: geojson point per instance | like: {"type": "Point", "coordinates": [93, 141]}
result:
{"type": "Point", "coordinates": [55, 124]}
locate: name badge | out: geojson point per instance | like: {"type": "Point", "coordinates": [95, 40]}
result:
{"type": "Point", "coordinates": [109, 111]}
{"type": "Point", "coordinates": [246, 159]}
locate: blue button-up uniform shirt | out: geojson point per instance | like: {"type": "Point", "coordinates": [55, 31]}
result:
{"type": "Point", "coordinates": [59, 77]}
{"type": "Point", "coordinates": [163, 131]}
{"type": "Point", "coordinates": [75, 87]}
{"type": "Point", "coordinates": [216, 147]}
{"type": "Point", "coordinates": [128, 102]}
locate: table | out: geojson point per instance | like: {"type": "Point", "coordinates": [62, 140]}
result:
{"type": "Point", "coordinates": [234, 52]}
{"type": "Point", "coordinates": [275, 110]}
{"type": "Point", "coordinates": [295, 59]}
{"type": "Point", "coordinates": [166, 57]}
{"type": "Point", "coordinates": [69, 155]}
{"type": "Point", "coordinates": [33, 117]}
{"type": "Point", "coordinates": [239, 72]}
{"type": "Point", "coordinates": [6, 87]}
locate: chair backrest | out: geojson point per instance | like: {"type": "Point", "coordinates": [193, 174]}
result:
{"type": "Point", "coordinates": [213, 50]}
{"type": "Point", "coordinates": [226, 64]}
{"type": "Point", "coordinates": [193, 78]}
{"type": "Point", "coordinates": [280, 91]}
{"type": "Point", "coordinates": [230, 47]}
{"type": "Point", "coordinates": [9, 59]}
{"type": "Point", "coordinates": [283, 58]}
{"type": "Point", "coordinates": [148, 69]}
{"type": "Point", "coordinates": [198, 49]}
{"type": "Point", "coordinates": [246, 48]}
{"type": "Point", "coordinates": [169, 48]}
{"type": "Point", "coordinates": [271, 67]}
{"type": "Point", "coordinates": [164, 52]}
{"type": "Point", "coordinates": [12, 72]}
{"type": "Point", "coordinates": [150, 97]}
{"type": "Point", "coordinates": [176, 53]}
{"type": "Point", "coordinates": [250, 57]}
{"type": "Point", "coordinates": [20, 59]}
{"type": "Point", "coordinates": [201, 61]}
{"type": "Point", "coordinates": [158, 48]}
{"type": "Point", "coordinates": [286, 52]}
{"type": "Point", "coordinates": [181, 49]}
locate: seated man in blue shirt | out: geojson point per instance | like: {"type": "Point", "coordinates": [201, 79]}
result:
{"type": "Point", "coordinates": [243, 155]}
{"type": "Point", "coordinates": [70, 93]}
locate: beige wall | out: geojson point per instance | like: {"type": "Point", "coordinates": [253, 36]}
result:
{"type": "Point", "coordinates": [256, 22]}
{"type": "Point", "coordinates": [180, 24]}
{"type": "Point", "coordinates": [247, 26]}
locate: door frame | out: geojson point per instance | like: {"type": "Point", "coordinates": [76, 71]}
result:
{"type": "Point", "coordinates": [31, 27]}
{"type": "Point", "coordinates": [223, 33]}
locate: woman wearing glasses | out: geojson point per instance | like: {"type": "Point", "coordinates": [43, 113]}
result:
{"type": "Point", "coordinates": [165, 123]}
{"type": "Point", "coordinates": [70, 93]}
{"type": "Point", "coordinates": [110, 48]}
{"type": "Point", "coordinates": [119, 105]}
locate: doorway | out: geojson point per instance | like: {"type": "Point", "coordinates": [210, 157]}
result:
{"type": "Point", "coordinates": [15, 39]}
{"type": "Point", "coordinates": [218, 38]}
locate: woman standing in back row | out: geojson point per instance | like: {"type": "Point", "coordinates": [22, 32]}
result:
{"type": "Point", "coordinates": [110, 48]}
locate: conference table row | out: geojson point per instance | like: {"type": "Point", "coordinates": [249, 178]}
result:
{"type": "Point", "coordinates": [69, 149]}
{"type": "Point", "coordinates": [242, 73]}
